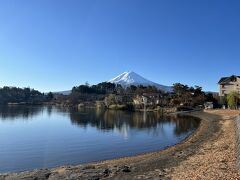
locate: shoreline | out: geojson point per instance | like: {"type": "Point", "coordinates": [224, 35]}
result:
{"type": "Point", "coordinates": [171, 163]}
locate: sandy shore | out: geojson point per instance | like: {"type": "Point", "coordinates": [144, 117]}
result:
{"type": "Point", "coordinates": [210, 153]}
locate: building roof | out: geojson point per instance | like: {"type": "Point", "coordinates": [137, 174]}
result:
{"type": "Point", "coordinates": [224, 80]}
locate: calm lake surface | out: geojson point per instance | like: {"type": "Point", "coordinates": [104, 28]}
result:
{"type": "Point", "coordinates": [43, 137]}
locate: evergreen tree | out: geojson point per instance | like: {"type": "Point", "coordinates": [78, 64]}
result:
{"type": "Point", "coordinates": [233, 100]}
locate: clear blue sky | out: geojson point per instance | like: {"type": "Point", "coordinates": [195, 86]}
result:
{"type": "Point", "coordinates": [53, 45]}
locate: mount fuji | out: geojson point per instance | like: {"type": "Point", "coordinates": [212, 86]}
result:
{"type": "Point", "coordinates": [127, 79]}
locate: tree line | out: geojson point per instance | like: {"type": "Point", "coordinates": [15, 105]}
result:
{"type": "Point", "coordinates": [180, 95]}
{"type": "Point", "coordinates": [22, 95]}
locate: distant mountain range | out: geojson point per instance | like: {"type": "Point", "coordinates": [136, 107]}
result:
{"type": "Point", "coordinates": [64, 92]}
{"type": "Point", "coordinates": [127, 79]}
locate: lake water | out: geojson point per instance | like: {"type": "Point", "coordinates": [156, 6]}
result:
{"type": "Point", "coordinates": [43, 137]}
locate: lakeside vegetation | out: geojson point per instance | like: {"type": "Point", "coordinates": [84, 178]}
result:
{"type": "Point", "coordinates": [14, 95]}
{"type": "Point", "coordinates": [112, 96]}
{"type": "Point", "coordinates": [116, 97]}
{"type": "Point", "coordinates": [232, 100]}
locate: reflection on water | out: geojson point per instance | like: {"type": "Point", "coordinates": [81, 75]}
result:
{"type": "Point", "coordinates": [110, 119]}
{"type": "Point", "coordinates": [103, 119]}
{"type": "Point", "coordinates": [39, 136]}
{"type": "Point", "coordinates": [15, 112]}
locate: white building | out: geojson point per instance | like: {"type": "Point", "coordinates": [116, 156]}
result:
{"type": "Point", "coordinates": [228, 85]}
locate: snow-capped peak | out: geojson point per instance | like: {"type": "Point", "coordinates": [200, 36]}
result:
{"type": "Point", "coordinates": [131, 78]}
{"type": "Point", "coordinates": [128, 78]}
